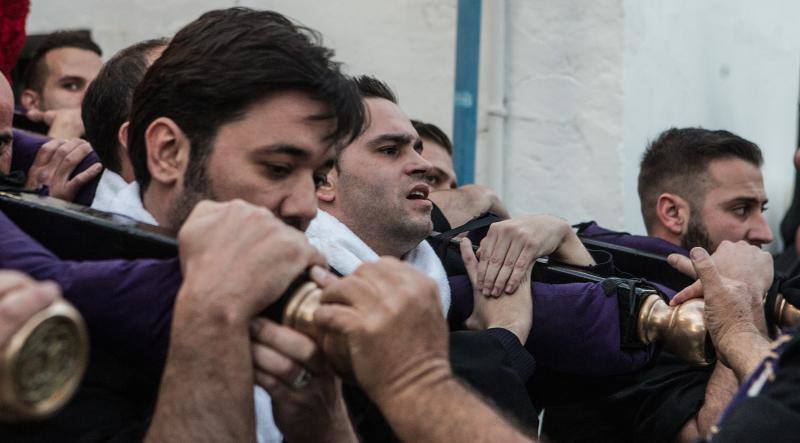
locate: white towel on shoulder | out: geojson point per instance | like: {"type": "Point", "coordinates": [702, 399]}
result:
{"type": "Point", "coordinates": [345, 252]}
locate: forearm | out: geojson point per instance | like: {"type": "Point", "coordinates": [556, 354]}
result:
{"type": "Point", "coordinates": [571, 250]}
{"type": "Point", "coordinates": [721, 388]}
{"type": "Point", "coordinates": [743, 351]}
{"type": "Point", "coordinates": [457, 205]}
{"type": "Point", "coordinates": [466, 203]}
{"type": "Point", "coordinates": [206, 392]}
{"type": "Point", "coordinates": [427, 413]}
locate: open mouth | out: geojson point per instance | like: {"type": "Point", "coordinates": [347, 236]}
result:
{"type": "Point", "coordinates": [419, 192]}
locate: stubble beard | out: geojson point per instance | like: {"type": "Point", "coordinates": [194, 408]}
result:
{"type": "Point", "coordinates": [197, 186]}
{"type": "Point", "coordinates": [374, 222]}
{"type": "Point", "coordinates": [697, 235]}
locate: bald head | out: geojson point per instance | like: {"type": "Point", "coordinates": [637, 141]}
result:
{"type": "Point", "coordinates": [6, 119]}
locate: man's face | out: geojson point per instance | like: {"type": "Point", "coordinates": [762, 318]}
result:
{"type": "Point", "coordinates": [733, 208]}
{"type": "Point", "coordinates": [69, 73]}
{"type": "Point", "coordinates": [442, 175]}
{"type": "Point", "coordinates": [381, 193]}
{"type": "Point", "coordinates": [275, 157]}
{"type": "Point", "coordinates": [6, 118]}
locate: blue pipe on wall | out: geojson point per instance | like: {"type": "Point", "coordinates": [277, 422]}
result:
{"type": "Point", "coordinates": [465, 111]}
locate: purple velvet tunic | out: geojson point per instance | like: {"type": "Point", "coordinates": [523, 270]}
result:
{"type": "Point", "coordinates": [127, 305]}
{"type": "Point", "coordinates": [576, 326]}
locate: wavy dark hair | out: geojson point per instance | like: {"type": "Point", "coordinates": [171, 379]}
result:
{"type": "Point", "coordinates": [216, 67]}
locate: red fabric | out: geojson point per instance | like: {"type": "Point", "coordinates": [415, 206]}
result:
{"type": "Point", "coordinates": [12, 32]}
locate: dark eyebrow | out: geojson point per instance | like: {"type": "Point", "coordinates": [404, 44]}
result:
{"type": "Point", "coordinates": [73, 78]}
{"type": "Point", "coordinates": [394, 138]}
{"type": "Point", "coordinates": [747, 201]}
{"type": "Point", "coordinates": [284, 148]}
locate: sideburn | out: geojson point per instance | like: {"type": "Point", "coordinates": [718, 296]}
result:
{"type": "Point", "coordinates": [697, 235]}
{"type": "Point", "coordinates": [197, 186]}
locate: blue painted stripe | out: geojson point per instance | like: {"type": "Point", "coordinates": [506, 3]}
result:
{"type": "Point", "coordinates": [465, 99]}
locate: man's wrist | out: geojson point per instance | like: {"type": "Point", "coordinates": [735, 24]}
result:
{"type": "Point", "coordinates": [413, 384]}
{"type": "Point", "coordinates": [194, 305]}
{"type": "Point", "coordinates": [742, 349]}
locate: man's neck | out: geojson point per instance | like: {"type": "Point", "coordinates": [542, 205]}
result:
{"type": "Point", "coordinates": [380, 244]}
{"type": "Point", "coordinates": [155, 201]}
{"type": "Point", "coordinates": [663, 234]}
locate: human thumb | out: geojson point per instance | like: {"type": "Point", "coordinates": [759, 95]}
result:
{"type": "Point", "coordinates": [704, 266]}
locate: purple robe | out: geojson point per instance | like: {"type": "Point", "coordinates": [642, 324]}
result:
{"type": "Point", "coordinates": [576, 326]}
{"type": "Point", "coordinates": [127, 304]}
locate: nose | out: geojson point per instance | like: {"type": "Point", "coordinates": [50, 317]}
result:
{"type": "Point", "coordinates": [417, 165]}
{"type": "Point", "coordinates": [759, 232]}
{"type": "Point", "coordinates": [299, 206]}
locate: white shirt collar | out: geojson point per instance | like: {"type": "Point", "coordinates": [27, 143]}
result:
{"type": "Point", "coordinates": [129, 203]}
{"type": "Point", "coordinates": [108, 187]}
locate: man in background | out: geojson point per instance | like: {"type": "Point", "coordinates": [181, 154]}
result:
{"type": "Point", "coordinates": [61, 69]}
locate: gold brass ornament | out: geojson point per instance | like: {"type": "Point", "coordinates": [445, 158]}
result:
{"type": "Point", "coordinates": [43, 363]}
{"type": "Point", "coordinates": [299, 315]}
{"type": "Point", "coordinates": [680, 329]}
{"type": "Point", "coordinates": [786, 315]}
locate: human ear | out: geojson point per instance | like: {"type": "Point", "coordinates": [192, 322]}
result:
{"type": "Point", "coordinates": [673, 213]}
{"type": "Point", "coordinates": [167, 151]}
{"type": "Point", "coordinates": [327, 191]}
{"type": "Point", "coordinates": [29, 99]}
{"type": "Point", "coordinates": [122, 134]}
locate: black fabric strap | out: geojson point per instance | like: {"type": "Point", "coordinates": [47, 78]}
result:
{"type": "Point", "coordinates": [441, 240]}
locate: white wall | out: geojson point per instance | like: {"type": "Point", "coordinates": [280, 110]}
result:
{"type": "Point", "coordinates": [410, 44]}
{"type": "Point", "coordinates": [719, 64]}
{"type": "Point", "coordinates": [588, 82]}
{"type": "Point", "coordinates": [564, 103]}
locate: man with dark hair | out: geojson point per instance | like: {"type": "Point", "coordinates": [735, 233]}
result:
{"type": "Point", "coordinates": [242, 104]}
{"type": "Point", "coordinates": [53, 165]}
{"type": "Point", "coordinates": [178, 135]}
{"type": "Point", "coordinates": [63, 66]}
{"type": "Point", "coordinates": [698, 187]}
{"type": "Point", "coordinates": [105, 112]}
{"type": "Point", "coordinates": [439, 151]}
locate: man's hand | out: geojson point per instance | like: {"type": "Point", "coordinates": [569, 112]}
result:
{"type": "Point", "coordinates": [63, 123]}
{"type": "Point", "coordinates": [302, 387]}
{"type": "Point", "coordinates": [739, 261]}
{"type": "Point", "coordinates": [513, 312]}
{"type": "Point", "coordinates": [733, 314]}
{"type": "Point", "coordinates": [54, 163]}
{"type": "Point", "coordinates": [511, 247]}
{"type": "Point", "coordinates": [467, 202]}
{"type": "Point", "coordinates": [21, 298]}
{"type": "Point", "coordinates": [238, 258]}
{"type": "Point", "coordinates": [391, 318]}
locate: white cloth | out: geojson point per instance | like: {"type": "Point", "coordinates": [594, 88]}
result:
{"type": "Point", "coordinates": [108, 187]}
{"type": "Point", "coordinates": [129, 203]}
{"type": "Point", "coordinates": [345, 252]}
